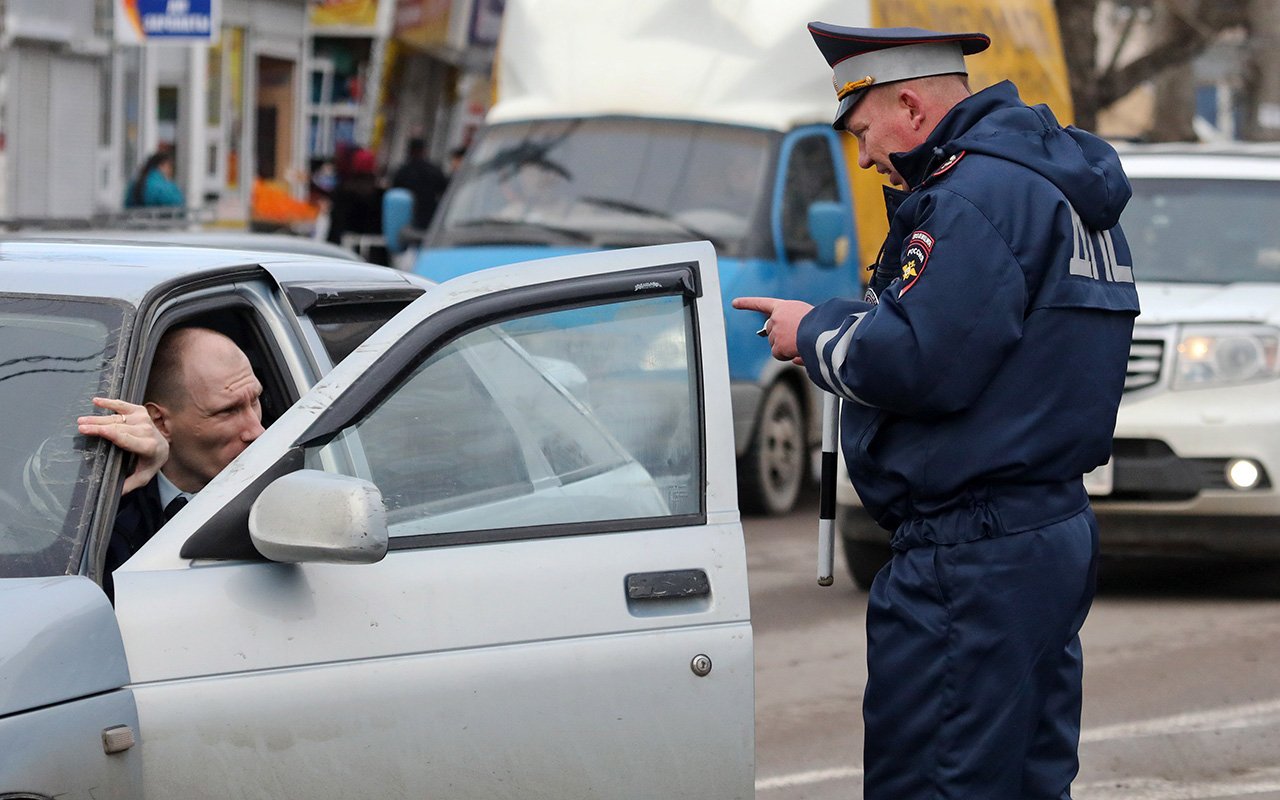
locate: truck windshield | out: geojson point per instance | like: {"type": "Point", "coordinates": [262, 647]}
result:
{"type": "Point", "coordinates": [55, 355]}
{"type": "Point", "coordinates": [609, 182]}
{"type": "Point", "coordinates": [1203, 230]}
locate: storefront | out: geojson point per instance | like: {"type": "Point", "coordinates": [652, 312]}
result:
{"type": "Point", "coordinates": [228, 105]}
{"type": "Point", "coordinates": [54, 123]}
{"type": "Point", "coordinates": [441, 86]}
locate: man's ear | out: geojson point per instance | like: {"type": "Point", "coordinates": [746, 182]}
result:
{"type": "Point", "coordinates": [911, 102]}
{"type": "Point", "coordinates": [160, 418]}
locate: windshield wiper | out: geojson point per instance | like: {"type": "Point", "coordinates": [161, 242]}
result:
{"type": "Point", "coordinates": [643, 211]}
{"type": "Point", "coordinates": [525, 224]}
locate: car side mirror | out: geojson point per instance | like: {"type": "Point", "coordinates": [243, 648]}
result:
{"type": "Point", "coordinates": [314, 516]}
{"type": "Point", "coordinates": [827, 229]}
{"type": "Point", "coordinates": [397, 214]}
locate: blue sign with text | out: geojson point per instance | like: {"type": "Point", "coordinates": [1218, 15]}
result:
{"type": "Point", "coordinates": [151, 20]}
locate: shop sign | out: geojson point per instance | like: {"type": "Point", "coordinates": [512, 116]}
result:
{"type": "Point", "coordinates": [178, 21]}
{"type": "Point", "coordinates": [486, 22]}
{"type": "Point", "coordinates": [343, 13]}
{"type": "Point", "coordinates": [422, 23]}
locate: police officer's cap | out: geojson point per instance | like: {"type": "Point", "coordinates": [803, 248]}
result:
{"type": "Point", "coordinates": [866, 57]}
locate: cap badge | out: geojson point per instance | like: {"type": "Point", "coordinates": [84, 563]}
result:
{"type": "Point", "coordinates": [852, 86]}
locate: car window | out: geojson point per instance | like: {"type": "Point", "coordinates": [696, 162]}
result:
{"type": "Point", "coordinates": [811, 176]}
{"type": "Point", "coordinates": [1203, 230]}
{"type": "Point", "coordinates": [342, 327]}
{"type": "Point", "coordinates": [556, 418]}
{"type": "Point", "coordinates": [55, 354]}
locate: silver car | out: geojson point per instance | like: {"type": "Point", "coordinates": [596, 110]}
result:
{"type": "Point", "coordinates": [494, 552]}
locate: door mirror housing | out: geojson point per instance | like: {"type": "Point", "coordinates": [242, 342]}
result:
{"type": "Point", "coordinates": [314, 516]}
{"type": "Point", "coordinates": [827, 228]}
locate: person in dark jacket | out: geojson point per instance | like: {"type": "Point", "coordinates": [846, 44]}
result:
{"type": "Point", "coordinates": [424, 180]}
{"type": "Point", "coordinates": [980, 378]}
{"type": "Point", "coordinates": [356, 204]}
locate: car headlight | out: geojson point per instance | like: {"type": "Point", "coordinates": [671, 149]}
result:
{"type": "Point", "coordinates": [1224, 355]}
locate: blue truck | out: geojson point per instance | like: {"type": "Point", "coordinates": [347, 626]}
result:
{"type": "Point", "coordinates": [627, 127]}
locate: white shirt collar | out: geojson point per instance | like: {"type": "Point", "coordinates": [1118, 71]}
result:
{"type": "Point", "coordinates": [168, 491]}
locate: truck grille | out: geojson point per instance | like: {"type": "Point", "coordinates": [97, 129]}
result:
{"type": "Point", "coordinates": [1145, 357]}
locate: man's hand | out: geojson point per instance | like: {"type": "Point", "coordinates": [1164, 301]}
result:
{"type": "Point", "coordinates": [130, 428]}
{"type": "Point", "coordinates": [783, 318]}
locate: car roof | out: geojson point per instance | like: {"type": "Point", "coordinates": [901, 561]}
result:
{"type": "Point", "coordinates": [128, 271]}
{"type": "Point", "coordinates": [225, 239]}
{"type": "Point", "coordinates": [1228, 161]}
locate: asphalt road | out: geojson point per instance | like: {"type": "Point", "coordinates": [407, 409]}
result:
{"type": "Point", "coordinates": [1182, 677]}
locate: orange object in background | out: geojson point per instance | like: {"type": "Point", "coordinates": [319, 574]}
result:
{"type": "Point", "coordinates": [271, 202]}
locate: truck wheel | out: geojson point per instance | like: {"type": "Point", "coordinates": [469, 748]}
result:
{"type": "Point", "coordinates": [864, 560]}
{"type": "Point", "coordinates": [772, 471]}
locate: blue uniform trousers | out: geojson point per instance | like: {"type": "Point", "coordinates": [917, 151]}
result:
{"type": "Point", "coordinates": [974, 663]}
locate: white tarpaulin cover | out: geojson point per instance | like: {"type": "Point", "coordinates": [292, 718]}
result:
{"type": "Point", "coordinates": [749, 62]}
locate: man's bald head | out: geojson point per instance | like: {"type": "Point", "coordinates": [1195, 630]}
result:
{"type": "Point", "coordinates": [167, 383]}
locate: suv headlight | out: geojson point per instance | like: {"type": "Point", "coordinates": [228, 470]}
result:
{"type": "Point", "coordinates": [1223, 355]}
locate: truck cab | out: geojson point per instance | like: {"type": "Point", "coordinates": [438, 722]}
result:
{"type": "Point", "coordinates": [538, 188]}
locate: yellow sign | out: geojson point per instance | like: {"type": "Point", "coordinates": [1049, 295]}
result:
{"type": "Point", "coordinates": [422, 23]}
{"type": "Point", "coordinates": [343, 13]}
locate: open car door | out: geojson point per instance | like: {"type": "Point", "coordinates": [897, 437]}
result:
{"type": "Point", "coordinates": [544, 453]}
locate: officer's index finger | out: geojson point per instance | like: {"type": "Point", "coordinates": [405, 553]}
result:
{"type": "Point", "coordinates": [764, 305]}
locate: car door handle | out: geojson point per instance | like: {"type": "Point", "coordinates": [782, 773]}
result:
{"type": "Point", "coordinates": [672, 585]}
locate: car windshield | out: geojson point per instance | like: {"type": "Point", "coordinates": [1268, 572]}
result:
{"type": "Point", "coordinates": [55, 354]}
{"type": "Point", "coordinates": [608, 182]}
{"type": "Point", "coordinates": [1203, 230]}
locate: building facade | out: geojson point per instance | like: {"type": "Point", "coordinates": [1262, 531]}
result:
{"type": "Point", "coordinates": [271, 89]}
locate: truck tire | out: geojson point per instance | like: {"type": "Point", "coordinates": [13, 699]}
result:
{"type": "Point", "coordinates": [771, 473]}
{"type": "Point", "coordinates": [864, 560]}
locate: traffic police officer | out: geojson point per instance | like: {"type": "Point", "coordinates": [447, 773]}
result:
{"type": "Point", "coordinates": [980, 376]}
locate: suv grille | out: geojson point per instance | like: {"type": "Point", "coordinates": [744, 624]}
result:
{"type": "Point", "coordinates": [1145, 357]}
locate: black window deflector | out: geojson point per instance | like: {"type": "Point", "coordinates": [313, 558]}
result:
{"type": "Point", "coordinates": [668, 585]}
{"type": "Point", "coordinates": [305, 297]}
{"type": "Point", "coordinates": [385, 374]}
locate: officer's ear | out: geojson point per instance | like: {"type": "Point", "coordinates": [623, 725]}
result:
{"type": "Point", "coordinates": [911, 103]}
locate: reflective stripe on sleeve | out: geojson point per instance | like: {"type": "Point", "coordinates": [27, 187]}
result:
{"type": "Point", "coordinates": [828, 364]}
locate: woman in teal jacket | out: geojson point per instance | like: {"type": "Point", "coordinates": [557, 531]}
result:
{"type": "Point", "coordinates": [154, 184]}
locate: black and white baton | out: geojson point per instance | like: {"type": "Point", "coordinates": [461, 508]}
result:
{"type": "Point", "coordinates": [827, 490]}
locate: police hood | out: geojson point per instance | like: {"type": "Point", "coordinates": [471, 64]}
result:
{"type": "Point", "coordinates": [996, 123]}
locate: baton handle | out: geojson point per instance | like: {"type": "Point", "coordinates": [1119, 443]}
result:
{"type": "Point", "coordinates": [827, 490]}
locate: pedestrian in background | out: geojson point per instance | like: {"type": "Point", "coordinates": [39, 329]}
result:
{"type": "Point", "coordinates": [153, 186]}
{"type": "Point", "coordinates": [424, 180]}
{"type": "Point", "coordinates": [356, 205]}
{"type": "Point", "coordinates": [981, 375]}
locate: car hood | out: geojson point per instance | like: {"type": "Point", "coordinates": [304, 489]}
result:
{"type": "Point", "coordinates": [1164, 303]}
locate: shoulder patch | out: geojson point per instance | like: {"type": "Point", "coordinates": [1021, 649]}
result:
{"type": "Point", "coordinates": [914, 258]}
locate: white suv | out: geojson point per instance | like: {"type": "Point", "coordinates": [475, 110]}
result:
{"type": "Point", "coordinates": [1197, 444]}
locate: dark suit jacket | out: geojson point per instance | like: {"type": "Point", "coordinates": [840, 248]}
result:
{"type": "Point", "coordinates": [138, 517]}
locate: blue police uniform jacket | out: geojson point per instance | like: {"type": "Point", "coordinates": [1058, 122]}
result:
{"type": "Point", "coordinates": [985, 381]}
